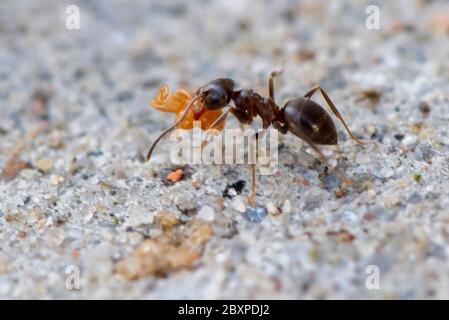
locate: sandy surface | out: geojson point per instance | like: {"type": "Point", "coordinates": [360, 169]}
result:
{"type": "Point", "coordinates": [76, 194]}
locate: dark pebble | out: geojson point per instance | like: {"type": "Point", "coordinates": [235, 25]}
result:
{"type": "Point", "coordinates": [27, 200]}
{"type": "Point", "coordinates": [238, 186]}
{"type": "Point", "coordinates": [96, 153]}
{"type": "Point", "coordinates": [124, 96]}
{"type": "Point", "coordinates": [414, 198]}
{"type": "Point", "coordinates": [330, 182]}
{"type": "Point", "coordinates": [424, 107]}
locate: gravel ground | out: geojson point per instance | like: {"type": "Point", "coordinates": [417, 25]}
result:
{"type": "Point", "coordinates": [76, 193]}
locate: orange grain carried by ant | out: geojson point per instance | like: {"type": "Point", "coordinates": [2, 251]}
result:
{"type": "Point", "coordinates": [176, 102]}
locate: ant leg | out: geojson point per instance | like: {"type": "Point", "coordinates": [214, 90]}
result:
{"type": "Point", "coordinates": [219, 120]}
{"type": "Point", "coordinates": [244, 119]}
{"type": "Point", "coordinates": [284, 129]}
{"type": "Point", "coordinates": [253, 173]}
{"type": "Point", "coordinates": [313, 146]}
{"type": "Point", "coordinates": [241, 117]}
{"type": "Point", "coordinates": [253, 184]}
{"type": "Point", "coordinates": [215, 124]}
{"type": "Point", "coordinates": [334, 109]}
{"type": "Point", "coordinates": [270, 82]}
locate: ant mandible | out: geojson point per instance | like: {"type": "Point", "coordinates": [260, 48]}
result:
{"type": "Point", "coordinates": [301, 116]}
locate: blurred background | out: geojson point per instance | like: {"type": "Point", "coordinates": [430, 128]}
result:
{"type": "Point", "coordinates": [75, 123]}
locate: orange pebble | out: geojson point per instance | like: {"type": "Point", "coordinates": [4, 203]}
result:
{"type": "Point", "coordinates": [175, 175]}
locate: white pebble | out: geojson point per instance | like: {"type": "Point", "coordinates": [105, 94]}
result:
{"type": "Point", "coordinates": [206, 213]}
{"type": "Point", "coordinates": [237, 204]}
{"type": "Point", "coordinates": [287, 207]}
{"type": "Point", "coordinates": [272, 209]}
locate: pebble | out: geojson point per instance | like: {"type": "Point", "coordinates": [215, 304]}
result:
{"type": "Point", "coordinates": [140, 217]}
{"type": "Point", "coordinates": [409, 141]}
{"type": "Point", "coordinates": [44, 164]}
{"type": "Point", "coordinates": [185, 201]}
{"type": "Point", "coordinates": [166, 219]}
{"type": "Point", "coordinates": [255, 215]}
{"type": "Point", "coordinates": [54, 238]}
{"type": "Point", "coordinates": [331, 181]}
{"type": "Point", "coordinates": [234, 189]}
{"type": "Point", "coordinates": [5, 264]}
{"type": "Point", "coordinates": [286, 207]}
{"type": "Point", "coordinates": [29, 174]}
{"type": "Point", "coordinates": [206, 213]}
{"type": "Point", "coordinates": [238, 204]}
{"type": "Point", "coordinates": [175, 176]}
{"type": "Point", "coordinates": [415, 198]}
{"type": "Point", "coordinates": [272, 209]}
{"type": "Point", "coordinates": [56, 180]}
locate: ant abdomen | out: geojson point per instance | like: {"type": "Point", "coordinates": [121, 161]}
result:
{"type": "Point", "coordinates": [305, 117]}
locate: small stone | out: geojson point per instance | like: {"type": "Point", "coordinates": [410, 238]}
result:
{"type": "Point", "coordinates": [88, 217]}
{"type": "Point", "coordinates": [381, 213]}
{"type": "Point", "coordinates": [286, 207]}
{"type": "Point", "coordinates": [44, 164]}
{"type": "Point", "coordinates": [231, 192]}
{"type": "Point", "coordinates": [415, 198]}
{"type": "Point", "coordinates": [255, 215]}
{"type": "Point", "coordinates": [206, 213]}
{"type": "Point", "coordinates": [196, 184]}
{"type": "Point", "coordinates": [237, 204]}
{"type": "Point", "coordinates": [272, 209]}
{"type": "Point", "coordinates": [175, 176]}
{"type": "Point", "coordinates": [13, 167]}
{"type": "Point", "coordinates": [54, 238]}
{"type": "Point", "coordinates": [29, 174]}
{"type": "Point", "coordinates": [424, 107]}
{"type": "Point", "coordinates": [409, 141]}
{"type": "Point", "coordinates": [106, 235]}
{"type": "Point", "coordinates": [138, 218]}
{"type": "Point", "coordinates": [166, 220]}
{"type": "Point", "coordinates": [234, 189]}
{"type": "Point", "coordinates": [95, 153]}
{"type": "Point", "coordinates": [330, 182]}
{"type": "Point", "coordinates": [185, 201]}
{"type": "Point", "coordinates": [134, 238]}
{"type": "Point", "coordinates": [371, 194]}
{"type": "Point", "coordinates": [5, 264]}
{"type": "Point", "coordinates": [166, 253]}
{"type": "Point", "coordinates": [154, 233]}
{"type": "Point", "coordinates": [56, 179]}
{"type": "Point", "coordinates": [200, 232]}
{"type": "Point", "coordinates": [343, 235]}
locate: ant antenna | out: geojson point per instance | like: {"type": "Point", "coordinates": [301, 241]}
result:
{"type": "Point", "coordinates": [181, 118]}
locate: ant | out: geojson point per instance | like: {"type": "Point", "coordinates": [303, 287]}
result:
{"type": "Point", "coordinates": [301, 116]}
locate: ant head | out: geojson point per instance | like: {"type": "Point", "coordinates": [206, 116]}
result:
{"type": "Point", "coordinates": [216, 94]}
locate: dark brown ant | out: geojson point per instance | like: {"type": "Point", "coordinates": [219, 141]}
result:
{"type": "Point", "coordinates": [301, 116]}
